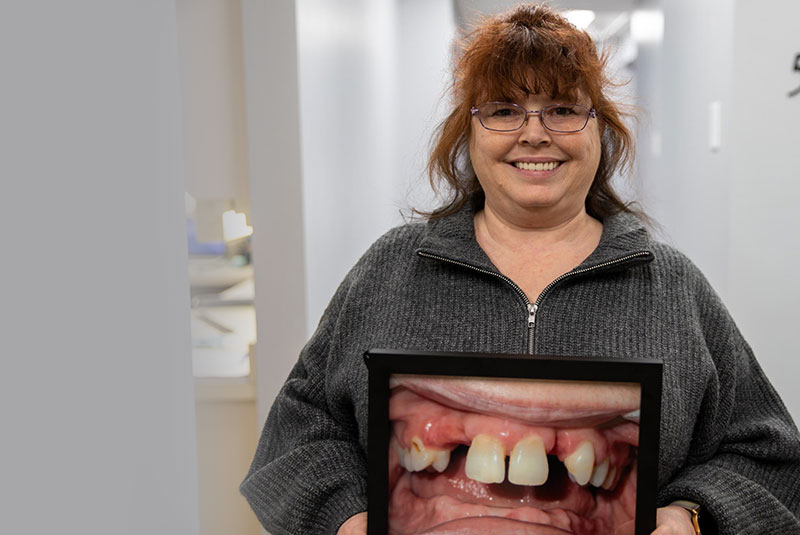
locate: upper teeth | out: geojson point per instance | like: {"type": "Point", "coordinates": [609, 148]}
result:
{"type": "Point", "coordinates": [538, 166]}
{"type": "Point", "coordinates": [527, 464]}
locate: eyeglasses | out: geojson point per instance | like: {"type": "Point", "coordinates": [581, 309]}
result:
{"type": "Point", "coordinates": [507, 117]}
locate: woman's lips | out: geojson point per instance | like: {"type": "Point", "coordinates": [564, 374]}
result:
{"type": "Point", "coordinates": [484, 525]}
{"type": "Point", "coordinates": [553, 403]}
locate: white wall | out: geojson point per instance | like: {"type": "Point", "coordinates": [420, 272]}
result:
{"type": "Point", "coordinates": [96, 387]}
{"type": "Point", "coordinates": [685, 184]}
{"type": "Point", "coordinates": [273, 150]}
{"type": "Point", "coordinates": [733, 211]}
{"type": "Point", "coordinates": [371, 76]}
{"type": "Point", "coordinates": [213, 119]}
{"type": "Point", "coordinates": [764, 219]}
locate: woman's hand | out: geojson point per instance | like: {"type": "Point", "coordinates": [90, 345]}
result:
{"type": "Point", "coordinates": [670, 520]}
{"type": "Point", "coordinates": [357, 525]}
{"type": "Point", "coordinates": [673, 520]}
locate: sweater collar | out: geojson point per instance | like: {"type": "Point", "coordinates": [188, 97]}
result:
{"type": "Point", "coordinates": [453, 238]}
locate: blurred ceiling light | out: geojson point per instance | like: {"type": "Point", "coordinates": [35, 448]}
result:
{"type": "Point", "coordinates": [617, 25]}
{"type": "Point", "coordinates": [647, 26]}
{"type": "Point", "coordinates": [581, 18]}
{"type": "Point", "coordinates": [234, 226]}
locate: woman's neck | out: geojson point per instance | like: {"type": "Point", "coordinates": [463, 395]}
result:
{"type": "Point", "coordinates": [577, 230]}
{"type": "Point", "coordinates": [534, 256]}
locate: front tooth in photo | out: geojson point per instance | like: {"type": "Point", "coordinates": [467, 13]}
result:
{"type": "Point", "coordinates": [580, 462]}
{"type": "Point", "coordinates": [486, 460]}
{"type": "Point", "coordinates": [527, 464]}
{"type": "Point", "coordinates": [599, 474]}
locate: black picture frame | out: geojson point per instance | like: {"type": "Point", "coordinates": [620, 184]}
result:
{"type": "Point", "coordinates": [382, 364]}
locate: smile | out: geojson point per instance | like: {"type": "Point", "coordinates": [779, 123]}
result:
{"type": "Point", "coordinates": [455, 462]}
{"type": "Point", "coordinates": [536, 166]}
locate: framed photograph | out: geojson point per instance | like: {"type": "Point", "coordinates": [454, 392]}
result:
{"type": "Point", "coordinates": [463, 444]}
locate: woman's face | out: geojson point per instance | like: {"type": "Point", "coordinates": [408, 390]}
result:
{"type": "Point", "coordinates": [528, 196]}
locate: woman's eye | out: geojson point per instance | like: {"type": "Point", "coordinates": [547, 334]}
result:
{"type": "Point", "coordinates": [505, 112]}
{"type": "Point", "coordinates": [562, 110]}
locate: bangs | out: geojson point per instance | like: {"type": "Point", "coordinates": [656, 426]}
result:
{"type": "Point", "coordinates": [515, 82]}
{"type": "Point", "coordinates": [510, 59]}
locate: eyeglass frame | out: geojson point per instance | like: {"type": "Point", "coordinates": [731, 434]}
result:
{"type": "Point", "coordinates": [474, 110]}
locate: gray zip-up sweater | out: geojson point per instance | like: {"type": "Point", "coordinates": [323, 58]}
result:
{"type": "Point", "coordinates": [727, 441]}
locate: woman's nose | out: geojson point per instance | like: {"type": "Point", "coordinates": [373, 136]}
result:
{"type": "Point", "coordinates": [533, 131]}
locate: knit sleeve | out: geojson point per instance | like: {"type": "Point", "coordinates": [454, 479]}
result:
{"type": "Point", "coordinates": [309, 471]}
{"type": "Point", "coordinates": [744, 469]}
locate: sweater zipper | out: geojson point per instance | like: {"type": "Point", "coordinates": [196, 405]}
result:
{"type": "Point", "coordinates": [532, 308]}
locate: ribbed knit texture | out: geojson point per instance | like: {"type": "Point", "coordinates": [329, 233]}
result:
{"type": "Point", "coordinates": [727, 441]}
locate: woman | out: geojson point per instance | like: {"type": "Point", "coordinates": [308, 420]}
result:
{"type": "Point", "coordinates": [535, 253]}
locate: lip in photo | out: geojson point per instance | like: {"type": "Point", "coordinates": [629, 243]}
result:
{"type": "Point", "coordinates": [477, 453]}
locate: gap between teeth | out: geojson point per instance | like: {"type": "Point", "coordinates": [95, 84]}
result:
{"type": "Point", "coordinates": [527, 463]}
{"type": "Point", "coordinates": [538, 166]}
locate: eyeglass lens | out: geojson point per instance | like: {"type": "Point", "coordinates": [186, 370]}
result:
{"type": "Point", "coordinates": [506, 117]}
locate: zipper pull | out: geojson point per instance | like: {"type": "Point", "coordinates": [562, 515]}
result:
{"type": "Point", "coordinates": [532, 314]}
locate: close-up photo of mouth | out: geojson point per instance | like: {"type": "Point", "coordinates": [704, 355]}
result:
{"type": "Point", "coordinates": [524, 457]}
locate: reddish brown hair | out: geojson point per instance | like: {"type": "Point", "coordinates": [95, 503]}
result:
{"type": "Point", "coordinates": [530, 49]}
